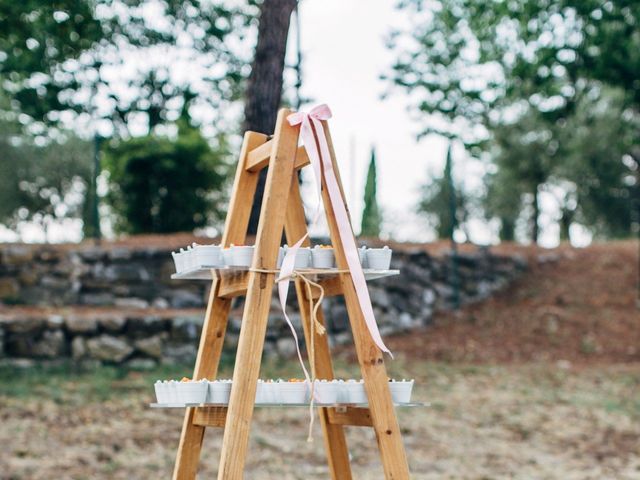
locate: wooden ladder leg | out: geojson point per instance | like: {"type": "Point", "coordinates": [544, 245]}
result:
{"type": "Point", "coordinates": [215, 323]}
{"type": "Point", "coordinates": [211, 340]}
{"type": "Point", "coordinates": [334, 438]}
{"type": "Point", "coordinates": [374, 373]}
{"type": "Point", "coordinates": [258, 301]}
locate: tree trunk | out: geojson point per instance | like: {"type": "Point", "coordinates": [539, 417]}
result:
{"type": "Point", "coordinates": [507, 229]}
{"type": "Point", "coordinates": [566, 219]}
{"type": "Point", "coordinates": [535, 226]}
{"type": "Point", "coordinates": [264, 89]}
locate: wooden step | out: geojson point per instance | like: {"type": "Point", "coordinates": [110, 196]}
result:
{"type": "Point", "coordinates": [347, 415]}
{"type": "Point", "coordinates": [233, 281]}
{"type": "Point", "coordinates": [258, 158]}
{"type": "Point", "coordinates": [215, 416]}
{"type": "Point", "coordinates": [234, 284]}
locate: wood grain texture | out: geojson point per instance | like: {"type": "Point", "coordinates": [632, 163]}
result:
{"type": "Point", "coordinates": [353, 416]}
{"type": "Point", "coordinates": [233, 283]}
{"type": "Point", "coordinates": [258, 300]}
{"type": "Point", "coordinates": [374, 373]}
{"type": "Point", "coordinates": [335, 442]}
{"type": "Point", "coordinates": [210, 416]}
{"type": "Point", "coordinates": [215, 322]}
{"type": "Point", "coordinates": [259, 158]}
{"type": "Point", "coordinates": [244, 189]}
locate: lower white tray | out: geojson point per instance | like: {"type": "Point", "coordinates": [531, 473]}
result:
{"type": "Point", "coordinates": [315, 404]}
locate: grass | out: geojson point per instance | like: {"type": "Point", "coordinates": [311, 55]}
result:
{"type": "Point", "coordinates": [536, 419]}
{"type": "Point", "coordinates": [71, 383]}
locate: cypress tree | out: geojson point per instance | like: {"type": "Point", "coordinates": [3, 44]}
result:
{"type": "Point", "coordinates": [371, 216]}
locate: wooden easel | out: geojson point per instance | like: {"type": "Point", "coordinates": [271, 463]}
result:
{"type": "Point", "coordinates": [282, 208]}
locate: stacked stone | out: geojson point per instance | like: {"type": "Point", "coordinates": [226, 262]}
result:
{"type": "Point", "coordinates": [118, 305]}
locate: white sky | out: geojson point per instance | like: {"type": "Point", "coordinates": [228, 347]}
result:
{"type": "Point", "coordinates": [343, 56]}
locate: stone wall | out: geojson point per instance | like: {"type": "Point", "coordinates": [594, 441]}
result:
{"type": "Point", "coordinates": [122, 276]}
{"type": "Point", "coordinates": [118, 304]}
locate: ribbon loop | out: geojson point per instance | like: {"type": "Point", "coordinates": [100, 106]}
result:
{"type": "Point", "coordinates": [317, 146]}
{"type": "Point", "coordinates": [312, 134]}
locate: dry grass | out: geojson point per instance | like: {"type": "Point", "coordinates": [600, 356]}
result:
{"type": "Point", "coordinates": [535, 421]}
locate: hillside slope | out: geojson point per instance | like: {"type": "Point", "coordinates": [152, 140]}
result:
{"type": "Point", "coordinates": [578, 305]}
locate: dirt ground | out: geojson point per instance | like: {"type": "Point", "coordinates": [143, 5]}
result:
{"type": "Point", "coordinates": [576, 305]}
{"type": "Point", "coordinates": [539, 382]}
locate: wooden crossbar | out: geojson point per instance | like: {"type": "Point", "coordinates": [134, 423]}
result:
{"type": "Point", "coordinates": [259, 158]}
{"type": "Point", "coordinates": [353, 416]}
{"type": "Point", "coordinates": [215, 416]}
{"type": "Point", "coordinates": [234, 284]}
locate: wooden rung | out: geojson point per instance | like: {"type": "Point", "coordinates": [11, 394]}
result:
{"type": "Point", "coordinates": [354, 416]}
{"type": "Point", "coordinates": [234, 284]}
{"type": "Point", "coordinates": [258, 158]}
{"type": "Point", "coordinates": [210, 416]}
{"type": "Point", "coordinates": [332, 286]}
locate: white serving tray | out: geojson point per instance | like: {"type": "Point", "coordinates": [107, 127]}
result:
{"type": "Point", "coordinates": [206, 273]}
{"type": "Point", "coordinates": [315, 404]}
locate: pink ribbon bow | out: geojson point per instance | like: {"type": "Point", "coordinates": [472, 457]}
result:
{"type": "Point", "coordinates": [311, 130]}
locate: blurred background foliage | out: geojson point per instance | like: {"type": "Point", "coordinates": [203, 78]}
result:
{"type": "Point", "coordinates": [43, 184]}
{"type": "Point", "coordinates": [161, 185]}
{"type": "Point", "coordinates": [545, 94]}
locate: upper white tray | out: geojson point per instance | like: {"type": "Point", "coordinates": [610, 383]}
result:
{"type": "Point", "coordinates": [205, 273]}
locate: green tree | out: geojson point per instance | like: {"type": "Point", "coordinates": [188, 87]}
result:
{"type": "Point", "coordinates": [528, 155]}
{"type": "Point", "coordinates": [157, 184]}
{"type": "Point", "coordinates": [444, 204]}
{"type": "Point", "coordinates": [60, 60]}
{"type": "Point", "coordinates": [599, 140]}
{"type": "Point", "coordinates": [485, 72]}
{"type": "Point", "coordinates": [42, 184]}
{"type": "Point", "coordinates": [503, 201]}
{"type": "Point", "coordinates": [371, 215]}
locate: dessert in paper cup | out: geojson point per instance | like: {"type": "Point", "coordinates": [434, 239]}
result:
{"type": "Point", "coordinates": [379, 258]}
{"type": "Point", "coordinates": [191, 391]}
{"type": "Point", "coordinates": [266, 392]}
{"type": "Point", "coordinates": [294, 391]}
{"type": "Point", "coordinates": [281, 253]}
{"type": "Point", "coordinates": [178, 260]}
{"type": "Point", "coordinates": [226, 256]}
{"type": "Point", "coordinates": [242, 255]}
{"type": "Point", "coordinates": [401, 390]}
{"type": "Point", "coordinates": [161, 391]}
{"type": "Point", "coordinates": [362, 255]}
{"type": "Point", "coordinates": [272, 391]}
{"type": "Point", "coordinates": [190, 259]}
{"type": "Point", "coordinates": [171, 391]}
{"type": "Point", "coordinates": [218, 392]}
{"type": "Point", "coordinates": [303, 258]}
{"type": "Point", "coordinates": [322, 256]}
{"type": "Point", "coordinates": [355, 392]}
{"type": "Point", "coordinates": [327, 391]}
{"type": "Point", "coordinates": [208, 256]}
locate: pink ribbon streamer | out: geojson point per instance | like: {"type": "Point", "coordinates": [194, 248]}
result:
{"type": "Point", "coordinates": [311, 131]}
